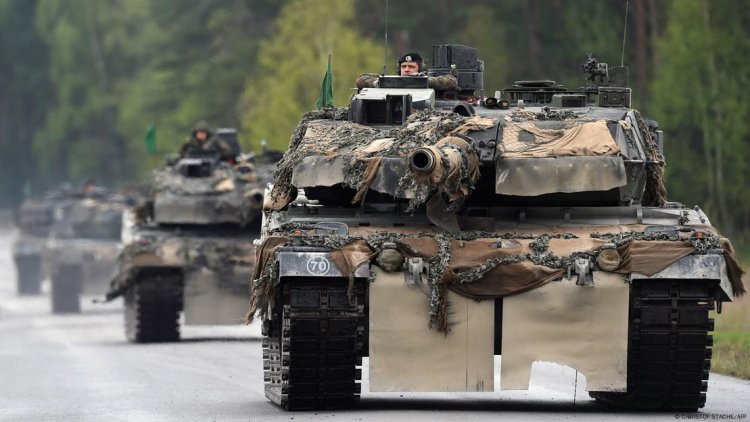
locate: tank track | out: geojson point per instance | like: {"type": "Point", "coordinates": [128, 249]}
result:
{"type": "Point", "coordinates": [152, 308]}
{"type": "Point", "coordinates": [28, 274]}
{"type": "Point", "coordinates": [313, 345]}
{"type": "Point", "coordinates": [669, 347]}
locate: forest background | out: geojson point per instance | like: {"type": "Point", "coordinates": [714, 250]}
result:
{"type": "Point", "coordinates": [81, 80]}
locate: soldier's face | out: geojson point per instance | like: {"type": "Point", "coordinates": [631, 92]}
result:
{"type": "Point", "coordinates": [201, 135]}
{"type": "Point", "coordinates": [409, 68]}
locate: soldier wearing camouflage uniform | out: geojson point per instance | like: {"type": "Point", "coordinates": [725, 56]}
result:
{"type": "Point", "coordinates": [411, 64]}
{"type": "Point", "coordinates": [202, 140]}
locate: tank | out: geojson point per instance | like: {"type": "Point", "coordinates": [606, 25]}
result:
{"type": "Point", "coordinates": [33, 219]}
{"type": "Point", "coordinates": [82, 246]}
{"type": "Point", "coordinates": [189, 247]}
{"type": "Point", "coordinates": [431, 231]}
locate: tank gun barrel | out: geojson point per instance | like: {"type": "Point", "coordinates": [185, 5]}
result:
{"type": "Point", "coordinates": [422, 160]}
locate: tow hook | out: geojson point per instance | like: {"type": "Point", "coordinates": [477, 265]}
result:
{"type": "Point", "coordinates": [414, 270]}
{"type": "Point", "coordinates": [582, 267]}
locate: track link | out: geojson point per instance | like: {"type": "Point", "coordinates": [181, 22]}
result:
{"type": "Point", "coordinates": [28, 274]}
{"type": "Point", "coordinates": [669, 347]}
{"type": "Point", "coordinates": [152, 308]}
{"type": "Point", "coordinates": [313, 345]}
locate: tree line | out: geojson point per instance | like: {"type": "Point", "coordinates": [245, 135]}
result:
{"type": "Point", "coordinates": [81, 80]}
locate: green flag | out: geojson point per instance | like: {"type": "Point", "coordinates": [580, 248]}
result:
{"type": "Point", "coordinates": [151, 139]}
{"type": "Point", "coordinates": [326, 89]}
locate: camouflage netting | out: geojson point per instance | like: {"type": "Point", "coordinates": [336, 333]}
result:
{"type": "Point", "coordinates": [224, 258]}
{"type": "Point", "coordinates": [484, 265]}
{"type": "Point", "coordinates": [229, 194]}
{"type": "Point", "coordinates": [328, 133]}
{"type": "Point", "coordinates": [125, 260]}
{"type": "Point", "coordinates": [655, 194]}
{"type": "Point", "coordinates": [168, 180]}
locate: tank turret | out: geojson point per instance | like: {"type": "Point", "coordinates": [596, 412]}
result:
{"type": "Point", "coordinates": [202, 189]}
{"type": "Point", "coordinates": [189, 249]}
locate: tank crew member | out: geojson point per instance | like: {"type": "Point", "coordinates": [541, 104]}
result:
{"type": "Point", "coordinates": [411, 64]}
{"type": "Point", "coordinates": [202, 140]}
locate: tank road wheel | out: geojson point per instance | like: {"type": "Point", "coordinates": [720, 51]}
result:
{"type": "Point", "coordinates": [29, 274]}
{"type": "Point", "coordinates": [313, 346]}
{"type": "Point", "coordinates": [152, 308]}
{"type": "Point", "coordinates": [669, 348]}
{"type": "Point", "coordinates": [66, 289]}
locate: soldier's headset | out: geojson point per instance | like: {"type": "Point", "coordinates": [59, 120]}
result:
{"type": "Point", "coordinates": [410, 57]}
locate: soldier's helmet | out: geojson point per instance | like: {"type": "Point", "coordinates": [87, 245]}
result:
{"type": "Point", "coordinates": [202, 126]}
{"type": "Point", "coordinates": [410, 57]}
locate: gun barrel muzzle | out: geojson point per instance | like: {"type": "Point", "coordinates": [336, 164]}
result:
{"type": "Point", "coordinates": [256, 198]}
{"type": "Point", "coordinates": [422, 160]}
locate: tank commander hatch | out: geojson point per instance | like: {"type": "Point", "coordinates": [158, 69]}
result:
{"type": "Point", "coordinates": [202, 140]}
{"type": "Point", "coordinates": [411, 64]}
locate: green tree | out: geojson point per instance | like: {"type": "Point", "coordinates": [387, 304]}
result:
{"type": "Point", "coordinates": [199, 57]}
{"type": "Point", "coordinates": [292, 63]}
{"type": "Point", "coordinates": [24, 89]}
{"type": "Point", "coordinates": [91, 57]}
{"type": "Point", "coordinates": [491, 46]}
{"type": "Point", "coordinates": [699, 97]}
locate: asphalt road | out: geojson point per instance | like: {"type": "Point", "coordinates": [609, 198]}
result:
{"type": "Point", "coordinates": [80, 367]}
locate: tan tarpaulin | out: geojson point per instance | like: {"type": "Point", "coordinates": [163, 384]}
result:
{"type": "Point", "coordinates": [642, 256]}
{"type": "Point", "coordinates": [639, 256]}
{"type": "Point", "coordinates": [586, 139]}
{"type": "Point", "coordinates": [351, 256]}
{"type": "Point", "coordinates": [649, 257]}
{"type": "Point", "coordinates": [262, 293]}
{"type": "Point", "coordinates": [474, 124]}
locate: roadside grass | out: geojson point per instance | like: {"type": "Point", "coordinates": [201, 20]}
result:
{"type": "Point", "coordinates": [731, 354]}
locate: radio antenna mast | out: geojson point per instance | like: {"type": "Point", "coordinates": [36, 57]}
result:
{"type": "Point", "coordinates": [624, 33]}
{"type": "Point", "coordinates": [385, 43]}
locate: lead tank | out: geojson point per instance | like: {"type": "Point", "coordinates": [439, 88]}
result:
{"type": "Point", "coordinates": [432, 230]}
{"type": "Point", "coordinates": [189, 247]}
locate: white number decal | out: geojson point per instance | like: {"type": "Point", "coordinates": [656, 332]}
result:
{"type": "Point", "coordinates": [318, 265]}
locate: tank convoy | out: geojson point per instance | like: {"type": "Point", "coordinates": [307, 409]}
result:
{"type": "Point", "coordinates": [189, 247]}
{"type": "Point", "coordinates": [82, 246]}
{"type": "Point", "coordinates": [432, 230]}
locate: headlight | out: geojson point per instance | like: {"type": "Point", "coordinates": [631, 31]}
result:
{"type": "Point", "coordinates": [389, 259]}
{"type": "Point", "coordinates": [609, 259]}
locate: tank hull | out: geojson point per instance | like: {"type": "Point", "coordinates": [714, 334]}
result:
{"type": "Point", "coordinates": [409, 326]}
{"type": "Point", "coordinates": [204, 271]}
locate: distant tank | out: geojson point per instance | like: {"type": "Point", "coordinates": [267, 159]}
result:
{"type": "Point", "coordinates": [189, 247]}
{"type": "Point", "coordinates": [34, 219]}
{"type": "Point", "coordinates": [431, 230]}
{"type": "Point", "coordinates": [82, 246]}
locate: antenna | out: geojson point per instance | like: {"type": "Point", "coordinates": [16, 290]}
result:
{"type": "Point", "coordinates": [624, 33]}
{"type": "Point", "coordinates": [385, 56]}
